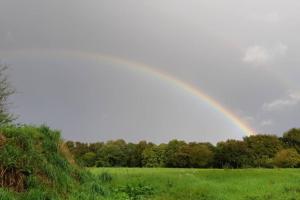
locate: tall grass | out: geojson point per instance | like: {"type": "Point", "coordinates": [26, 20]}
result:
{"type": "Point", "coordinates": [33, 167]}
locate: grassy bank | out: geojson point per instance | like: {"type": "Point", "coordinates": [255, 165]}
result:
{"type": "Point", "coordinates": [35, 165]}
{"type": "Point", "coordinates": [167, 184]}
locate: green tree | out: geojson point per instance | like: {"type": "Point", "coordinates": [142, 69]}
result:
{"type": "Point", "coordinates": [175, 157]}
{"type": "Point", "coordinates": [262, 149]}
{"type": "Point", "coordinates": [200, 155]}
{"type": "Point", "coordinates": [94, 147]}
{"type": "Point", "coordinates": [89, 159]}
{"type": "Point", "coordinates": [140, 147]}
{"type": "Point", "coordinates": [287, 158]}
{"type": "Point", "coordinates": [291, 139]}
{"type": "Point", "coordinates": [232, 153]}
{"type": "Point", "coordinates": [5, 92]}
{"type": "Point", "coordinates": [153, 156]}
{"type": "Point", "coordinates": [113, 153]}
{"type": "Point", "coordinates": [132, 157]}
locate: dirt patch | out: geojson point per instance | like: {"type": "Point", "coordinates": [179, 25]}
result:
{"type": "Point", "coordinates": [12, 178]}
{"type": "Point", "coordinates": [66, 152]}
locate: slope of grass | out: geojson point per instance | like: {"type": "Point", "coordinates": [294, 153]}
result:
{"type": "Point", "coordinates": [35, 165]}
{"type": "Point", "coordinates": [208, 184]}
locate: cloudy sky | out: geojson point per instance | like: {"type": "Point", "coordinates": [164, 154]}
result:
{"type": "Point", "coordinates": [243, 54]}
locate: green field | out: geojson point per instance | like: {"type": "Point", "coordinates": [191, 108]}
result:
{"type": "Point", "coordinates": [203, 184]}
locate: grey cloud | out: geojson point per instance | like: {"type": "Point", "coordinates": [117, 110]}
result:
{"type": "Point", "coordinates": [233, 55]}
{"type": "Point", "coordinates": [259, 55]}
{"type": "Point", "coordinates": [271, 17]}
{"type": "Point", "coordinates": [292, 99]}
{"type": "Point", "coordinates": [267, 122]}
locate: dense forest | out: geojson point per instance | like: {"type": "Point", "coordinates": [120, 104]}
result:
{"type": "Point", "coordinates": [253, 151]}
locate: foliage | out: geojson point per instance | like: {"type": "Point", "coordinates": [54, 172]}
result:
{"type": "Point", "coordinates": [199, 155]}
{"type": "Point", "coordinates": [287, 158]}
{"type": "Point", "coordinates": [112, 154]}
{"type": "Point", "coordinates": [262, 148]}
{"type": "Point", "coordinates": [89, 159]}
{"type": "Point", "coordinates": [232, 153]}
{"type": "Point", "coordinates": [292, 139]}
{"type": "Point", "coordinates": [175, 158]}
{"type": "Point", "coordinates": [153, 156]}
{"type": "Point", "coordinates": [252, 151]}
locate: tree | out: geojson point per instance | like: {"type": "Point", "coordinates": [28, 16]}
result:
{"type": "Point", "coordinates": [113, 153]}
{"type": "Point", "coordinates": [200, 155]}
{"type": "Point", "coordinates": [262, 149]}
{"type": "Point", "coordinates": [140, 147]}
{"type": "Point", "coordinates": [89, 159]}
{"type": "Point", "coordinates": [175, 158]}
{"type": "Point", "coordinates": [292, 139]}
{"type": "Point", "coordinates": [287, 158]}
{"type": "Point", "coordinates": [93, 147]}
{"type": "Point", "coordinates": [5, 91]}
{"type": "Point", "coordinates": [232, 153]}
{"type": "Point", "coordinates": [153, 156]}
{"type": "Point", "coordinates": [132, 157]}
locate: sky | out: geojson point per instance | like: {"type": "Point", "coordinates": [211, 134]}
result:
{"type": "Point", "coordinates": [242, 54]}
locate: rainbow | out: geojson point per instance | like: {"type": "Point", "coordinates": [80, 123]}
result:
{"type": "Point", "coordinates": [147, 69]}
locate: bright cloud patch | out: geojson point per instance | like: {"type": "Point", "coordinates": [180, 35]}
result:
{"type": "Point", "coordinates": [292, 99]}
{"type": "Point", "coordinates": [261, 55]}
{"type": "Point", "coordinates": [256, 54]}
{"type": "Point", "coordinates": [272, 17]}
{"type": "Point", "coordinates": [267, 122]}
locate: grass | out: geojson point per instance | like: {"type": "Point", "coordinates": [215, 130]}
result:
{"type": "Point", "coordinates": [35, 165]}
{"type": "Point", "coordinates": [205, 184]}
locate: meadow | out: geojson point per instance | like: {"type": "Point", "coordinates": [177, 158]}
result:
{"type": "Point", "coordinates": [202, 184]}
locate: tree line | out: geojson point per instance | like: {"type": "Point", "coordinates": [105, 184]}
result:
{"type": "Point", "coordinates": [253, 151]}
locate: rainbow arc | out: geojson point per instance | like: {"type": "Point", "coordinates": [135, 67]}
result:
{"type": "Point", "coordinates": [152, 71]}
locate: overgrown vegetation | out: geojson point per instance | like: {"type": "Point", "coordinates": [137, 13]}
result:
{"type": "Point", "coordinates": [35, 165]}
{"type": "Point", "coordinates": [253, 151]}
